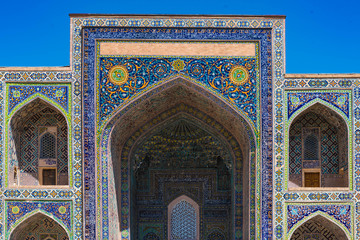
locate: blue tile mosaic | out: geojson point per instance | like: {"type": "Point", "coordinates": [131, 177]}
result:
{"type": "Point", "coordinates": [91, 34]}
{"type": "Point", "coordinates": [296, 213]}
{"type": "Point", "coordinates": [19, 93]}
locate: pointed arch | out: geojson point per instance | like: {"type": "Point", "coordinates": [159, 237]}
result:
{"type": "Point", "coordinates": [163, 120]}
{"type": "Point", "coordinates": [185, 82]}
{"type": "Point", "coordinates": [319, 101]}
{"type": "Point", "coordinates": [180, 210]}
{"type": "Point", "coordinates": [132, 120]}
{"type": "Point", "coordinates": [35, 97]}
{"type": "Point", "coordinates": [325, 220]}
{"type": "Point", "coordinates": [35, 217]}
{"type": "Point", "coordinates": [30, 119]}
{"type": "Point", "coordinates": [333, 149]}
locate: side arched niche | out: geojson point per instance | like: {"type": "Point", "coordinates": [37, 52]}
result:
{"type": "Point", "coordinates": [39, 226]}
{"type": "Point", "coordinates": [153, 129]}
{"type": "Point", "coordinates": [38, 146]}
{"type": "Point", "coordinates": [319, 228]}
{"type": "Point", "coordinates": [318, 149]}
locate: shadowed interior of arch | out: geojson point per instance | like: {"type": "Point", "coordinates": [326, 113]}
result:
{"type": "Point", "coordinates": [320, 228]}
{"type": "Point", "coordinates": [39, 226]}
{"type": "Point", "coordinates": [38, 146]}
{"type": "Point", "coordinates": [167, 135]}
{"type": "Point", "coordinates": [318, 149]}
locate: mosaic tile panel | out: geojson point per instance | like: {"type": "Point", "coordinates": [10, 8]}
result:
{"type": "Point", "coordinates": [50, 194]}
{"type": "Point", "coordinates": [211, 72]}
{"type": "Point", "coordinates": [295, 155]}
{"type": "Point", "coordinates": [19, 93]}
{"type": "Point", "coordinates": [296, 213]}
{"type": "Point", "coordinates": [17, 210]}
{"type": "Point", "coordinates": [58, 95]}
{"type": "Point", "coordinates": [323, 195]}
{"type": "Point", "coordinates": [340, 100]}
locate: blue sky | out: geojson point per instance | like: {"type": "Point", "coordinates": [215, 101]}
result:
{"type": "Point", "coordinates": [321, 36]}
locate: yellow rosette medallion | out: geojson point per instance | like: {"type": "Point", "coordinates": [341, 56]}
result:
{"type": "Point", "coordinates": [238, 75]}
{"type": "Point", "coordinates": [118, 75]}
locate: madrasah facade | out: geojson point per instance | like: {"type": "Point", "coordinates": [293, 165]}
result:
{"type": "Point", "coordinates": [178, 127]}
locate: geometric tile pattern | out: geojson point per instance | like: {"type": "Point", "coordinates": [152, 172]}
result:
{"type": "Point", "coordinates": [37, 76]}
{"type": "Point", "coordinates": [29, 140]}
{"type": "Point", "coordinates": [329, 144]}
{"type": "Point", "coordinates": [295, 154]}
{"type": "Point", "coordinates": [183, 221]}
{"type": "Point", "coordinates": [313, 230]}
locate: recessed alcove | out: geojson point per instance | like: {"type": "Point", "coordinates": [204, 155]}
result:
{"type": "Point", "coordinates": [39, 226]}
{"type": "Point", "coordinates": [318, 227]}
{"type": "Point", "coordinates": [172, 148]}
{"type": "Point", "coordinates": [318, 150]}
{"type": "Point", "coordinates": [38, 146]}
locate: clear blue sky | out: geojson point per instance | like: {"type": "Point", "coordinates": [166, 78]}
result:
{"type": "Point", "coordinates": [321, 36]}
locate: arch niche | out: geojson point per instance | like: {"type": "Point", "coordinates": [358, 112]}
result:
{"type": "Point", "coordinates": [179, 139]}
{"type": "Point", "coordinates": [39, 226]}
{"type": "Point", "coordinates": [319, 227]}
{"type": "Point", "coordinates": [38, 145]}
{"type": "Point", "coordinates": [318, 148]}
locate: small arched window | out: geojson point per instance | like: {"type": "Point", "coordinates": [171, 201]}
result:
{"type": "Point", "coordinates": [183, 219]}
{"type": "Point", "coordinates": [48, 146]}
{"type": "Point", "coordinates": [311, 143]}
